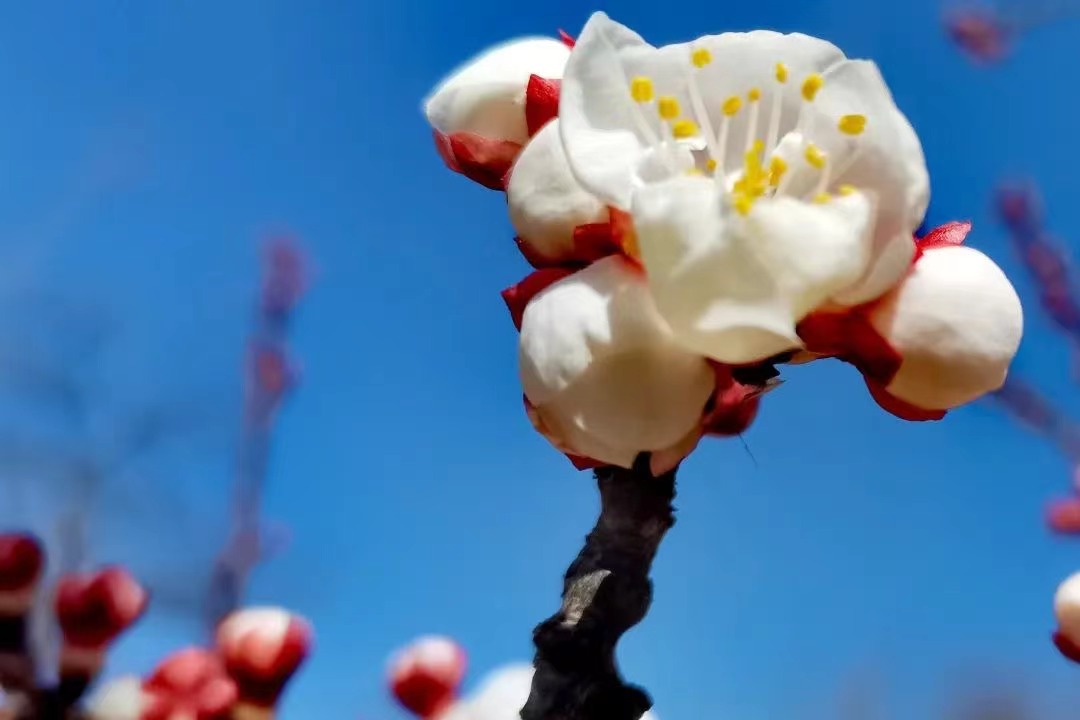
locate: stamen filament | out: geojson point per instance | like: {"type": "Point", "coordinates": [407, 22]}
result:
{"type": "Point", "coordinates": [731, 109]}
{"type": "Point", "coordinates": [641, 90]}
{"type": "Point", "coordinates": [753, 97]}
{"type": "Point", "coordinates": [810, 88]}
{"type": "Point", "coordinates": [773, 136]}
{"type": "Point", "coordinates": [700, 58]}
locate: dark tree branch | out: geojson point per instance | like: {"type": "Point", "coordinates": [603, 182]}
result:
{"type": "Point", "coordinates": [606, 592]}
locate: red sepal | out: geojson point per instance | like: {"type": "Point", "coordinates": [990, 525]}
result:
{"type": "Point", "coordinates": [580, 462]}
{"type": "Point", "coordinates": [903, 410]}
{"type": "Point", "coordinates": [591, 242]}
{"type": "Point", "coordinates": [93, 609]}
{"type": "Point", "coordinates": [190, 683]}
{"type": "Point", "coordinates": [482, 160]}
{"type": "Point", "coordinates": [541, 102]}
{"type": "Point", "coordinates": [850, 337]}
{"type": "Point", "coordinates": [947, 235]}
{"type": "Point", "coordinates": [568, 39]}
{"type": "Point", "coordinates": [1067, 647]}
{"type": "Point", "coordinates": [1063, 516]}
{"type": "Point", "coordinates": [518, 296]}
{"type": "Point", "coordinates": [733, 406]}
{"type": "Point", "coordinates": [21, 562]}
{"type": "Point", "coordinates": [594, 241]}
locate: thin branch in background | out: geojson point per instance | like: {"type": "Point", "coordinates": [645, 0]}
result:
{"type": "Point", "coordinates": [269, 376]}
{"type": "Point", "coordinates": [50, 367]}
{"type": "Point", "coordinates": [1020, 209]}
{"type": "Point", "coordinates": [1029, 407]}
{"type": "Point", "coordinates": [606, 591]}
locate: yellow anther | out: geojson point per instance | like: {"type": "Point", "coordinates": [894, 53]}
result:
{"type": "Point", "coordinates": [641, 89]}
{"type": "Point", "coordinates": [732, 105]}
{"type": "Point", "coordinates": [823, 198]}
{"type": "Point", "coordinates": [701, 57]}
{"type": "Point", "coordinates": [758, 148]}
{"type": "Point", "coordinates": [743, 203]}
{"type": "Point", "coordinates": [781, 73]}
{"type": "Point", "coordinates": [848, 190]}
{"type": "Point", "coordinates": [754, 180]}
{"type": "Point", "coordinates": [754, 95]}
{"type": "Point", "coordinates": [777, 168]}
{"type": "Point", "coordinates": [683, 129]}
{"type": "Point", "coordinates": [815, 157]}
{"type": "Point", "coordinates": [852, 124]}
{"type": "Point", "coordinates": [668, 107]}
{"type": "Point", "coordinates": [711, 165]}
{"type": "Point", "coordinates": [811, 85]}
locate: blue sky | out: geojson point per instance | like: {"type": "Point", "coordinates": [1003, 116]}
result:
{"type": "Point", "coordinates": [150, 146]}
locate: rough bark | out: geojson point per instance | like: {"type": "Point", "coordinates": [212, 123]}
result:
{"type": "Point", "coordinates": [606, 592]}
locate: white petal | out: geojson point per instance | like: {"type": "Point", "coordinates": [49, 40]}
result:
{"type": "Point", "coordinates": [269, 623]}
{"type": "Point", "coordinates": [814, 249]}
{"type": "Point", "coordinates": [502, 694]}
{"type": "Point", "coordinates": [545, 200]}
{"type": "Point", "coordinates": [957, 322]}
{"type": "Point", "coordinates": [119, 699]}
{"type": "Point", "coordinates": [733, 287]}
{"type": "Point", "coordinates": [602, 125]}
{"type": "Point", "coordinates": [604, 370]}
{"type": "Point", "coordinates": [486, 96]}
{"type": "Point", "coordinates": [886, 159]}
{"type": "Point", "coordinates": [1067, 608]}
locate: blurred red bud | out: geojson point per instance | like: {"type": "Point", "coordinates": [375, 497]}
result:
{"type": "Point", "coordinates": [93, 609]}
{"type": "Point", "coordinates": [191, 683]}
{"type": "Point", "coordinates": [1067, 647]}
{"type": "Point", "coordinates": [425, 676]}
{"type": "Point", "coordinates": [1063, 516]}
{"type": "Point", "coordinates": [262, 648]}
{"type": "Point", "coordinates": [272, 370]}
{"type": "Point", "coordinates": [21, 562]}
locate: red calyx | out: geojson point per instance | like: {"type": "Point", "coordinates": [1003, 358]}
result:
{"type": "Point", "coordinates": [424, 694]}
{"type": "Point", "coordinates": [190, 683]}
{"type": "Point", "coordinates": [425, 677]}
{"type": "Point", "coordinates": [518, 296]}
{"type": "Point", "coordinates": [94, 609]}
{"type": "Point", "coordinates": [580, 462]}
{"type": "Point", "coordinates": [591, 242]}
{"type": "Point", "coordinates": [901, 409]}
{"type": "Point", "coordinates": [850, 337]}
{"type": "Point", "coordinates": [947, 235]}
{"type": "Point", "coordinates": [1063, 516]}
{"type": "Point", "coordinates": [567, 39]}
{"type": "Point", "coordinates": [733, 406]}
{"type": "Point", "coordinates": [541, 102]}
{"type": "Point", "coordinates": [21, 562]}
{"type": "Point", "coordinates": [482, 160]}
{"type": "Point", "coordinates": [595, 241]}
{"type": "Point", "coordinates": [263, 666]}
{"type": "Point", "coordinates": [1067, 647]}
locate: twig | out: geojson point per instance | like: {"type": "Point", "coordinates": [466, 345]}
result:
{"type": "Point", "coordinates": [606, 592]}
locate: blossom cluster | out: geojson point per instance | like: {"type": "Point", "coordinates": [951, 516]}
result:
{"type": "Point", "coordinates": [242, 677]}
{"type": "Point", "coordinates": [699, 214]}
{"type": "Point", "coordinates": [255, 653]}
